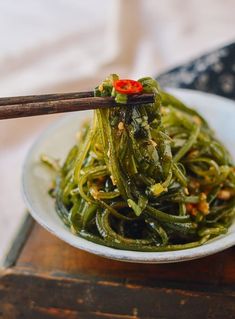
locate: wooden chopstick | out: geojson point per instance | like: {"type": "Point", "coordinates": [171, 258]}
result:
{"type": "Point", "coordinates": [44, 97]}
{"type": "Point", "coordinates": [23, 106]}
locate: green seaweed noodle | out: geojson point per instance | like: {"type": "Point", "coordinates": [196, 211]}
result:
{"type": "Point", "coordinates": [151, 177]}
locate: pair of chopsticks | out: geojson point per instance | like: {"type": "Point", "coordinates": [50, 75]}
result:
{"type": "Point", "coordinates": [23, 106]}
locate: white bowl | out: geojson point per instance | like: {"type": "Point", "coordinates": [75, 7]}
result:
{"type": "Point", "coordinates": [57, 140]}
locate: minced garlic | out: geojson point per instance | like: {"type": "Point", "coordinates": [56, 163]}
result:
{"type": "Point", "coordinates": [224, 194]}
{"type": "Point", "coordinates": [121, 126]}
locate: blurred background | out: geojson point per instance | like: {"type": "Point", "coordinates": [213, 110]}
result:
{"type": "Point", "coordinates": [67, 45]}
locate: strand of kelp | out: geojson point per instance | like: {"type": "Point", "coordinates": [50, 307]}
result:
{"type": "Point", "coordinates": [146, 178]}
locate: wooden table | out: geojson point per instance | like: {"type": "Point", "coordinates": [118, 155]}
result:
{"type": "Point", "coordinates": [44, 277]}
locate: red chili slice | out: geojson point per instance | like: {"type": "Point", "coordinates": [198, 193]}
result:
{"type": "Point", "coordinates": [128, 86]}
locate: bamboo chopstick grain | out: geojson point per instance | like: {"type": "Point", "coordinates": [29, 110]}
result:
{"type": "Point", "coordinates": [44, 97]}
{"type": "Point", "coordinates": [59, 103]}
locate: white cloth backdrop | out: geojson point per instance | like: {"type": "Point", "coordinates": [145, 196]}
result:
{"type": "Point", "coordinates": [66, 45]}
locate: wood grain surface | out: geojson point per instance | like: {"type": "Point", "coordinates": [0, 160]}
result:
{"type": "Point", "coordinates": [23, 106]}
{"type": "Point", "coordinates": [51, 279]}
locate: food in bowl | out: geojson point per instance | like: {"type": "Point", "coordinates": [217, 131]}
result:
{"type": "Point", "coordinates": [151, 177]}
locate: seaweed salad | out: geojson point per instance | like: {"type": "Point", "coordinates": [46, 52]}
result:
{"type": "Point", "coordinates": [150, 177]}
